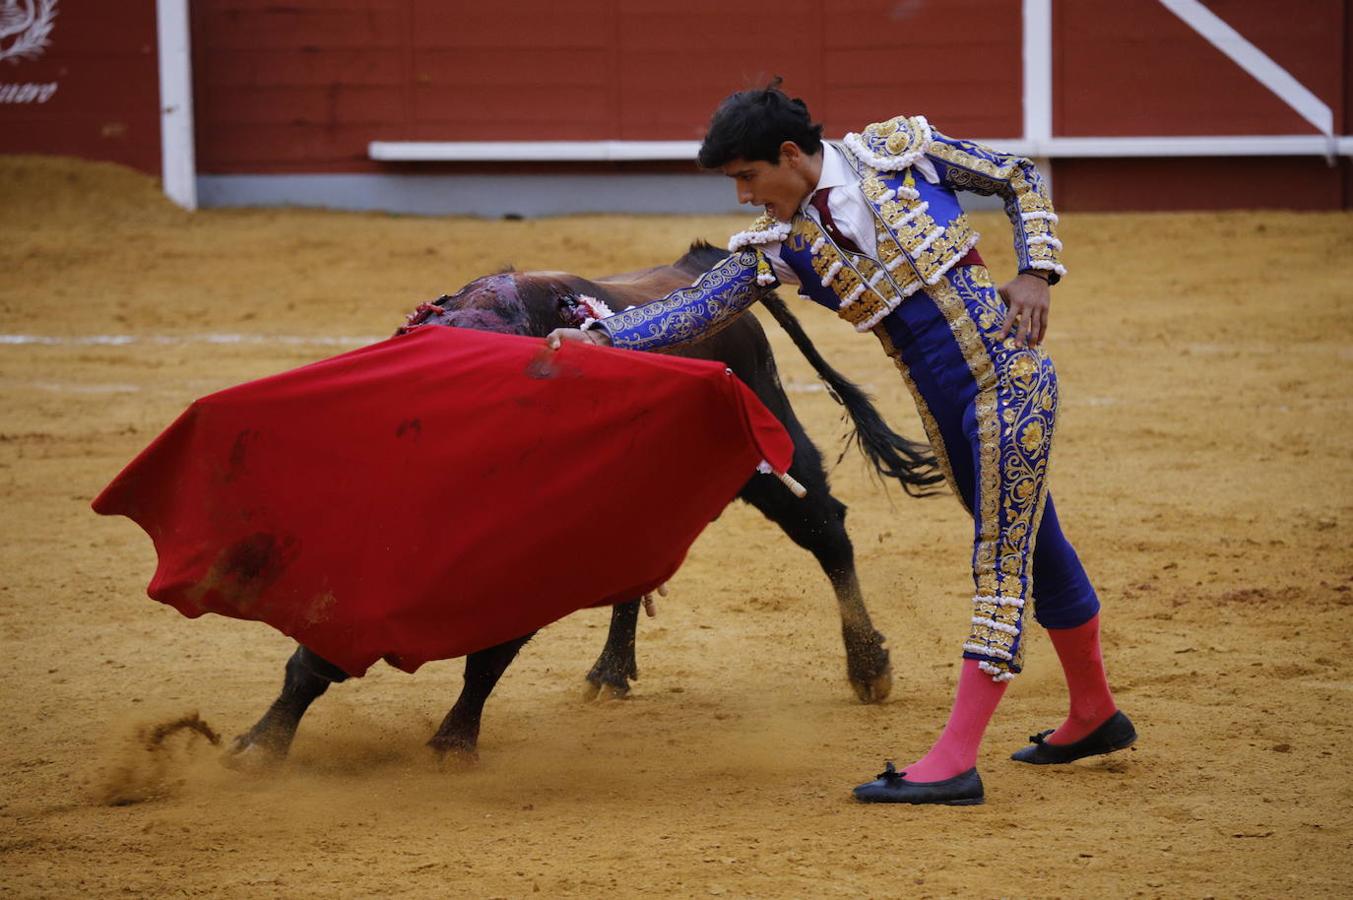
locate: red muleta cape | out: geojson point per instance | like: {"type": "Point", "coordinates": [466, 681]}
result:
{"type": "Point", "coordinates": [441, 492]}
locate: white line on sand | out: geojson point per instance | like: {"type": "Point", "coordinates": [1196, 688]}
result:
{"type": "Point", "coordinates": [123, 340]}
{"type": "Point", "coordinates": [59, 387]}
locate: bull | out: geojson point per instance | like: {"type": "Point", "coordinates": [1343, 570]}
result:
{"type": "Point", "coordinates": [535, 303]}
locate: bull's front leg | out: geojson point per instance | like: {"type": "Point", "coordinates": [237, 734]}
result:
{"type": "Point", "coordinates": [458, 736]}
{"type": "Point", "coordinates": [307, 677]}
{"type": "Point", "coordinates": [610, 675]}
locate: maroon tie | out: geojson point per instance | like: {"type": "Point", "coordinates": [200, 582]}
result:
{"type": "Point", "coordinates": [819, 202]}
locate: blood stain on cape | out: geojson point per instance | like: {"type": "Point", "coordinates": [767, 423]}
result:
{"type": "Point", "coordinates": [239, 452]}
{"type": "Point", "coordinates": [245, 569]}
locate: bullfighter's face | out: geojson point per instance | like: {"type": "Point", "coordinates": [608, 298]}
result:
{"type": "Point", "coordinates": [780, 187]}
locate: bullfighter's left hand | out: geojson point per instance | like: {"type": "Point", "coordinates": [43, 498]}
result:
{"type": "Point", "coordinates": [1027, 299]}
{"type": "Point", "coordinates": [556, 338]}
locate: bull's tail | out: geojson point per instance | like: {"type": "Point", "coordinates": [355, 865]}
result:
{"type": "Point", "coordinates": [909, 462]}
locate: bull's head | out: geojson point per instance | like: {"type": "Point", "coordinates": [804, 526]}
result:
{"type": "Point", "coordinates": [491, 303]}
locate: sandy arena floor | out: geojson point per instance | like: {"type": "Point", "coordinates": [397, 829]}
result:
{"type": "Point", "coordinates": [1203, 469]}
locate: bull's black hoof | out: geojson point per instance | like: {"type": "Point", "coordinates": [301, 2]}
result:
{"type": "Point", "coordinates": [868, 668]}
{"type": "Point", "coordinates": [609, 678]}
{"type": "Point", "coordinates": [876, 689]}
{"type": "Point", "coordinates": [603, 689]}
{"type": "Point", "coordinates": [256, 750]}
{"type": "Point", "coordinates": [891, 786]}
{"type": "Point", "coordinates": [454, 752]}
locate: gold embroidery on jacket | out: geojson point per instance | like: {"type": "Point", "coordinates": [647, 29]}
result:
{"type": "Point", "coordinates": [899, 134]}
{"type": "Point", "coordinates": [969, 171]}
{"type": "Point", "coordinates": [906, 229]}
{"type": "Point", "coordinates": [862, 291]}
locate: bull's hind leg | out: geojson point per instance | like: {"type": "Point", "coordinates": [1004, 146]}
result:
{"type": "Point", "coordinates": [307, 676]}
{"type": "Point", "coordinates": [459, 734]}
{"type": "Point", "coordinates": [609, 677]}
{"type": "Point", "coordinates": [818, 524]}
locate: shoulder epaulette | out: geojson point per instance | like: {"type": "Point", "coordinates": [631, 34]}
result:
{"type": "Point", "coordinates": [765, 230]}
{"type": "Point", "coordinates": [891, 145]}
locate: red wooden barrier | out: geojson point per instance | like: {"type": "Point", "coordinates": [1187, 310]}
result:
{"type": "Point", "coordinates": [91, 91]}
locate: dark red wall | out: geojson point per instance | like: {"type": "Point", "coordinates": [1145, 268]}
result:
{"type": "Point", "coordinates": [305, 85]}
{"type": "Point", "coordinates": [1131, 67]}
{"type": "Point", "coordinates": [102, 59]}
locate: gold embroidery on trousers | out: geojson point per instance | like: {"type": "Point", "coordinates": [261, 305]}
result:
{"type": "Point", "coordinates": [1015, 408]}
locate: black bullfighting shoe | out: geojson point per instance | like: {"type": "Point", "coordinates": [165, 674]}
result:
{"type": "Point", "coordinates": [1115, 734]}
{"type": "Point", "coordinates": [891, 787]}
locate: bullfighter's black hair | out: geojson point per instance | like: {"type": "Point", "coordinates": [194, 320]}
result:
{"type": "Point", "coordinates": [752, 125]}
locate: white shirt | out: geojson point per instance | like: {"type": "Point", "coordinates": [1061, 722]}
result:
{"type": "Point", "coordinates": [850, 210]}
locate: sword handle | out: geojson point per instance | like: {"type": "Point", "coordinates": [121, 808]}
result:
{"type": "Point", "coordinates": [798, 490]}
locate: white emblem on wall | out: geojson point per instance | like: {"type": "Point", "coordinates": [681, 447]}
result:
{"type": "Point", "coordinates": [24, 28]}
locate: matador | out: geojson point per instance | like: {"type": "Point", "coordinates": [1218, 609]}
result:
{"type": "Point", "coordinates": [873, 230]}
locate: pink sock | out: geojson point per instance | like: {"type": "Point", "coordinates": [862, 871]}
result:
{"type": "Point", "coordinates": [956, 750]}
{"type": "Point", "coordinates": [1083, 664]}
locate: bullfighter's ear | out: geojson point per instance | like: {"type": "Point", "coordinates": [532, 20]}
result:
{"type": "Point", "coordinates": [790, 153]}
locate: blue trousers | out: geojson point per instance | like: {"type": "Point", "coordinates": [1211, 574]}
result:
{"type": "Point", "coordinates": [989, 410]}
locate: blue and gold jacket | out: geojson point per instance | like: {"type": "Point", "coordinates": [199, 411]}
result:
{"type": "Point", "coordinates": [920, 227]}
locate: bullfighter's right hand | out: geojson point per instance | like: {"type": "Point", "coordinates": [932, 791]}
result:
{"type": "Point", "coordinates": [556, 338]}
